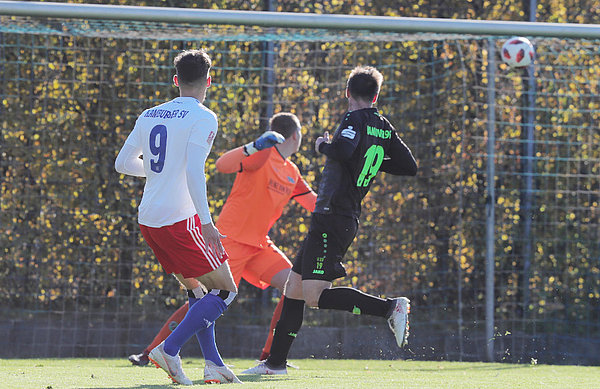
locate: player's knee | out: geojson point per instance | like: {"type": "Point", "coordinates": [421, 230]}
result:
{"type": "Point", "coordinates": [312, 289]}
{"type": "Point", "coordinates": [311, 298]}
{"type": "Point", "coordinates": [278, 280]}
{"type": "Point", "coordinates": [293, 287]}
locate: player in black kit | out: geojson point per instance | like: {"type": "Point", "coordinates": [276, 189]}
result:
{"type": "Point", "coordinates": [364, 144]}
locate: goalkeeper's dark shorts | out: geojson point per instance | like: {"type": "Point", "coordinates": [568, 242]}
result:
{"type": "Point", "coordinates": [320, 256]}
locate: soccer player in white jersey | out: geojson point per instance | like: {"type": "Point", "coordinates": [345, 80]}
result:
{"type": "Point", "coordinates": [174, 140]}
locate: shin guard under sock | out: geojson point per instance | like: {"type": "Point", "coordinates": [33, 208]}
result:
{"type": "Point", "coordinates": [286, 330]}
{"type": "Point", "coordinates": [355, 301]}
{"type": "Point", "coordinates": [206, 338]}
{"type": "Point", "coordinates": [200, 316]}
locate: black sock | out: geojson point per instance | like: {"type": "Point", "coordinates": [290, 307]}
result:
{"type": "Point", "coordinates": [355, 301]}
{"type": "Point", "coordinates": [286, 330]}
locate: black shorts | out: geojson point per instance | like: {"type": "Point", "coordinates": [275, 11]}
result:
{"type": "Point", "coordinates": [323, 249]}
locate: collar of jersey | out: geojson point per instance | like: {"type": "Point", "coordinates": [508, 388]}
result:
{"type": "Point", "coordinates": [278, 153]}
{"type": "Point", "coordinates": [188, 97]}
{"type": "Point", "coordinates": [362, 109]}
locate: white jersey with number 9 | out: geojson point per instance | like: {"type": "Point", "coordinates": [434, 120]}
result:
{"type": "Point", "coordinates": [175, 139]}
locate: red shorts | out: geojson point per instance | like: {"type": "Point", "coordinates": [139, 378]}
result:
{"type": "Point", "coordinates": [180, 248]}
{"type": "Point", "coordinates": [256, 265]}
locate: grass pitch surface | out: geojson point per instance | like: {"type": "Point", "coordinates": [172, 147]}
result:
{"type": "Point", "coordinates": [315, 374]}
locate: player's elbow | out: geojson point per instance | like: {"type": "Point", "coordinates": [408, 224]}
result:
{"type": "Point", "coordinates": [120, 165]}
{"type": "Point", "coordinates": [223, 166]}
{"type": "Point", "coordinates": [220, 166]}
{"type": "Point", "coordinates": [412, 169]}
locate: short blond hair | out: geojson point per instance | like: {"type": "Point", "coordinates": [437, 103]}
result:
{"type": "Point", "coordinates": [285, 123]}
{"type": "Point", "coordinates": [364, 83]}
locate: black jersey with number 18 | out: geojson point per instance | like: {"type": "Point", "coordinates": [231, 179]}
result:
{"type": "Point", "coordinates": [364, 144]}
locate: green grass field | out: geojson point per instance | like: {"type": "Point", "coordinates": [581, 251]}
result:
{"type": "Point", "coordinates": [315, 374]}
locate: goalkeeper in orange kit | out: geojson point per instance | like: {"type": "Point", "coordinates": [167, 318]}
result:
{"type": "Point", "coordinates": [266, 181]}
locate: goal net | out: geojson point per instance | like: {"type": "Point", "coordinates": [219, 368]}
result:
{"type": "Point", "coordinates": [76, 278]}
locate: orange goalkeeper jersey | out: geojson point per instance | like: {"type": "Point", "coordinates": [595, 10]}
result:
{"type": "Point", "coordinates": [264, 184]}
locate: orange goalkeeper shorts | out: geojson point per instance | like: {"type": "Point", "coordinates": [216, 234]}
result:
{"type": "Point", "coordinates": [254, 264]}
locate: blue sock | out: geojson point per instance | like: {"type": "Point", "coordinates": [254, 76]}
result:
{"type": "Point", "coordinates": [201, 315]}
{"type": "Point", "coordinates": [206, 338]}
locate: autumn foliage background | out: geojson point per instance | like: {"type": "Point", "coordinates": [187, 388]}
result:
{"type": "Point", "coordinates": [70, 91]}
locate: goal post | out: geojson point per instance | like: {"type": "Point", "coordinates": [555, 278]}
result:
{"type": "Point", "coordinates": [298, 20]}
{"type": "Point", "coordinates": [486, 272]}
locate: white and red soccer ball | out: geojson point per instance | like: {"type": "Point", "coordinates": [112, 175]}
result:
{"type": "Point", "coordinates": [518, 52]}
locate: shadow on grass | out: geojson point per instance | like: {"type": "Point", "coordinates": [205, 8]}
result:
{"type": "Point", "coordinates": [466, 368]}
{"type": "Point", "coordinates": [265, 378]}
{"type": "Point", "coordinates": [146, 386]}
{"type": "Point", "coordinates": [243, 378]}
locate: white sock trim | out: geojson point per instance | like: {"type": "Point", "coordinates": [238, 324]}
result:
{"type": "Point", "coordinates": [198, 292]}
{"type": "Point", "coordinates": [226, 295]}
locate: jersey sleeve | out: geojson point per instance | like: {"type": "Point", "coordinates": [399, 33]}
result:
{"type": "Point", "coordinates": [347, 132]}
{"type": "Point", "coordinates": [304, 195]}
{"type": "Point", "coordinates": [134, 137]}
{"type": "Point", "coordinates": [204, 131]}
{"type": "Point", "coordinates": [200, 143]}
{"type": "Point", "coordinates": [128, 161]}
{"type": "Point", "coordinates": [236, 161]}
{"type": "Point", "coordinates": [344, 141]}
{"type": "Point", "coordinates": [399, 160]}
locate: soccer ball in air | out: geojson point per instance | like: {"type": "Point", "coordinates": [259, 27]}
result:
{"type": "Point", "coordinates": [517, 52]}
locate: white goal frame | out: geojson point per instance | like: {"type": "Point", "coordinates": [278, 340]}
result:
{"type": "Point", "coordinates": [299, 20]}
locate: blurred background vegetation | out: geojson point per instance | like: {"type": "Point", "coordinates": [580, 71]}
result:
{"type": "Point", "coordinates": [70, 91]}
